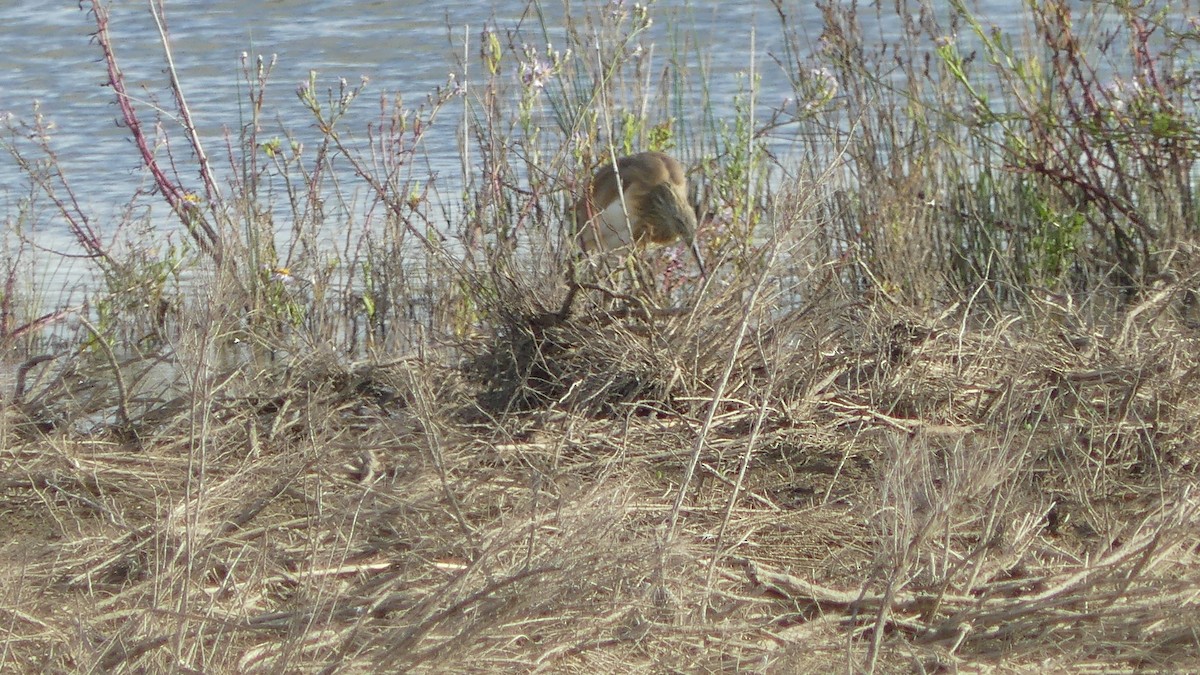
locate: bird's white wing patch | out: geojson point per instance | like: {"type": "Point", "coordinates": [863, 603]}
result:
{"type": "Point", "coordinates": [610, 229]}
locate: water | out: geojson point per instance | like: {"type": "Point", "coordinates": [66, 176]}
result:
{"type": "Point", "coordinates": [407, 46]}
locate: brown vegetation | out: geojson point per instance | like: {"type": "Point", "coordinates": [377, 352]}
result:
{"type": "Point", "coordinates": [938, 416]}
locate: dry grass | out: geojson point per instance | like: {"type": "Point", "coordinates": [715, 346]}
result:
{"type": "Point", "coordinates": [918, 493]}
{"type": "Point", "coordinates": [933, 411]}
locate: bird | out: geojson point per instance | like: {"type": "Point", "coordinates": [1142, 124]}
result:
{"type": "Point", "coordinates": [643, 199]}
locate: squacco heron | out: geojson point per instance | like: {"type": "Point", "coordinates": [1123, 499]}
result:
{"type": "Point", "coordinates": [644, 200]}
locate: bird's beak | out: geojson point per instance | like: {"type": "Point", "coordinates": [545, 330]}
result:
{"type": "Point", "coordinates": [699, 259]}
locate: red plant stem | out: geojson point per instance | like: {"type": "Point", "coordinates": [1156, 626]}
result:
{"type": "Point", "coordinates": [188, 211]}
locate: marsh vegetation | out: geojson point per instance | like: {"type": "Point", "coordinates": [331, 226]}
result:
{"type": "Point", "coordinates": [934, 406]}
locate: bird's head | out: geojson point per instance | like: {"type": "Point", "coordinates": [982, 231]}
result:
{"type": "Point", "coordinates": [670, 217]}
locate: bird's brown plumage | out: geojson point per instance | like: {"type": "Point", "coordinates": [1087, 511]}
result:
{"type": "Point", "coordinates": [655, 207]}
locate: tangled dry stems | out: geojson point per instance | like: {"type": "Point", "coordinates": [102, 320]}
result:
{"type": "Point", "coordinates": [785, 476]}
{"type": "Point", "coordinates": [919, 492]}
